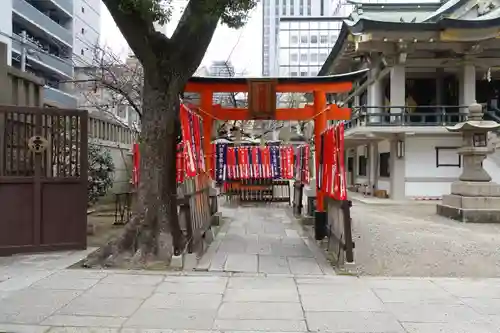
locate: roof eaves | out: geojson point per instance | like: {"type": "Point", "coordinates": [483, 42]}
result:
{"type": "Point", "coordinates": [336, 49]}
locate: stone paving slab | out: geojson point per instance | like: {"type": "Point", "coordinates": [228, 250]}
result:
{"type": "Point", "coordinates": [192, 302]}
{"type": "Point", "coordinates": [263, 239]}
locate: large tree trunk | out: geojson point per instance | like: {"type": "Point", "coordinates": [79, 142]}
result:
{"type": "Point", "coordinates": [154, 233]}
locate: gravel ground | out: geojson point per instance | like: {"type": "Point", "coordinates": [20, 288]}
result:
{"type": "Point", "coordinates": [410, 240]}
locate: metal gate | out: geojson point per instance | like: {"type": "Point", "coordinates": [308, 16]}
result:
{"type": "Point", "coordinates": [43, 179]}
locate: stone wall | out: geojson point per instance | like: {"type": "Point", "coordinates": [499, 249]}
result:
{"type": "Point", "coordinates": [122, 159]}
{"type": "Point", "coordinates": [118, 139]}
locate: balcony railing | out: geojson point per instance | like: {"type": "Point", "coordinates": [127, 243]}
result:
{"type": "Point", "coordinates": [29, 12]}
{"type": "Point", "coordinates": [60, 98]}
{"type": "Point", "coordinates": [67, 5]}
{"type": "Point", "coordinates": [426, 115]}
{"type": "Point", "coordinates": [47, 60]}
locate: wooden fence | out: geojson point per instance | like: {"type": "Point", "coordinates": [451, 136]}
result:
{"type": "Point", "coordinates": [339, 232]}
{"type": "Point", "coordinates": [195, 210]}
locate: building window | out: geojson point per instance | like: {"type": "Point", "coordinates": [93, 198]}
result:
{"type": "Point", "coordinates": [295, 39]}
{"type": "Point", "coordinates": [303, 57]}
{"type": "Point", "coordinates": [384, 165]}
{"type": "Point", "coordinates": [294, 74]}
{"type": "Point", "coordinates": [82, 52]}
{"type": "Point", "coordinates": [303, 73]}
{"type": "Point", "coordinates": [303, 39]}
{"type": "Point", "coordinates": [83, 10]}
{"type": "Point", "coordinates": [314, 57]}
{"type": "Point", "coordinates": [323, 39]}
{"type": "Point", "coordinates": [294, 57]}
{"type": "Point", "coordinates": [362, 165]}
{"type": "Point", "coordinates": [333, 38]}
{"type": "Point", "coordinates": [284, 7]}
{"type": "Point", "coordinates": [83, 31]}
{"type": "Point", "coordinates": [314, 39]}
{"type": "Point", "coordinates": [322, 57]}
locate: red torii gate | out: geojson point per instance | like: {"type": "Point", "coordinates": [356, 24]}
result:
{"type": "Point", "coordinates": [262, 106]}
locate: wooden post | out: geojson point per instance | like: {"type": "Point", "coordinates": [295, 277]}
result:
{"type": "Point", "coordinates": [208, 120]}
{"type": "Point", "coordinates": [319, 127]}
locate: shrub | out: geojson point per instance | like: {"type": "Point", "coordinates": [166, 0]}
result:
{"type": "Point", "coordinates": [100, 172]}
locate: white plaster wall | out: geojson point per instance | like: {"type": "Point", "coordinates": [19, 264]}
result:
{"type": "Point", "coordinates": [6, 27]}
{"type": "Point", "coordinates": [420, 161]}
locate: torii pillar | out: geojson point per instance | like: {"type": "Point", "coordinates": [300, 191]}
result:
{"type": "Point", "coordinates": [320, 123]}
{"type": "Point", "coordinates": [206, 97]}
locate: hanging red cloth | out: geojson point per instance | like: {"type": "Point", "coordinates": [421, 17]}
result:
{"type": "Point", "coordinates": [187, 138]}
{"type": "Point", "coordinates": [289, 162]}
{"type": "Point", "coordinates": [256, 162]}
{"type": "Point", "coordinates": [282, 157]}
{"type": "Point", "coordinates": [180, 163]}
{"type": "Point", "coordinates": [335, 171]}
{"type": "Point", "coordinates": [243, 162]}
{"type": "Point", "coordinates": [327, 159]}
{"type": "Point", "coordinates": [136, 163]}
{"type": "Point", "coordinates": [266, 162]}
{"type": "Point", "coordinates": [306, 174]}
{"type": "Point", "coordinates": [231, 163]}
{"type": "Point", "coordinates": [342, 171]}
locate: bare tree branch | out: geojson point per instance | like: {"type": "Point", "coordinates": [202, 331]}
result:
{"type": "Point", "coordinates": [111, 84]}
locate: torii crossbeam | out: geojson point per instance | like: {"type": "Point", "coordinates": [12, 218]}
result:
{"type": "Point", "coordinates": [262, 105]}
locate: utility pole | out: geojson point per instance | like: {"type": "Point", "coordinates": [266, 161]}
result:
{"type": "Point", "coordinates": [24, 51]}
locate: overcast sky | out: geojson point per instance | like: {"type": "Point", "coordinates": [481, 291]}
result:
{"type": "Point", "coordinates": [242, 47]}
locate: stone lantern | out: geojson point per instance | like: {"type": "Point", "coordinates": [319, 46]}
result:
{"type": "Point", "coordinates": [474, 197]}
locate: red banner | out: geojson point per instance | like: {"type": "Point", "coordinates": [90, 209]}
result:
{"type": "Point", "coordinates": [190, 164]}
{"type": "Point", "coordinates": [342, 171]}
{"type": "Point", "coordinates": [180, 163]}
{"type": "Point", "coordinates": [231, 163]}
{"type": "Point", "coordinates": [306, 173]}
{"type": "Point", "coordinates": [266, 162]}
{"type": "Point", "coordinates": [136, 163]}
{"type": "Point", "coordinates": [256, 162]}
{"type": "Point", "coordinates": [328, 157]}
{"type": "Point", "coordinates": [243, 162]}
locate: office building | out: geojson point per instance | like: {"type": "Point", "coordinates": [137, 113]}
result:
{"type": "Point", "coordinates": [57, 35]}
{"type": "Point", "coordinates": [273, 10]}
{"type": "Point", "coordinates": [222, 68]}
{"type": "Point", "coordinates": [304, 44]}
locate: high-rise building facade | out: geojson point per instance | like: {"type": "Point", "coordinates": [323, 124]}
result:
{"type": "Point", "coordinates": [86, 31]}
{"type": "Point", "coordinates": [222, 68]}
{"type": "Point", "coordinates": [273, 10]}
{"type": "Point", "coordinates": [304, 44]}
{"type": "Point", "coordinates": [50, 38]}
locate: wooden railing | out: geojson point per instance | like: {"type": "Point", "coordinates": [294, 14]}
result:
{"type": "Point", "coordinates": [195, 210]}
{"type": "Point", "coordinates": [339, 232]}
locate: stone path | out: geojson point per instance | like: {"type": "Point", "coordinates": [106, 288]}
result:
{"type": "Point", "coordinates": [86, 301]}
{"type": "Point", "coordinates": [263, 239]}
